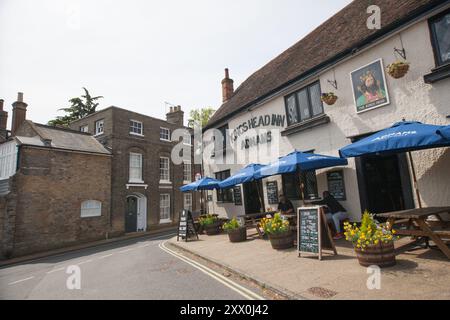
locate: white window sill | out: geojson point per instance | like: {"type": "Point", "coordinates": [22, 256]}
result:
{"type": "Point", "coordinates": [137, 134]}
{"type": "Point", "coordinates": [165, 221]}
{"type": "Point", "coordinates": [99, 134]}
{"type": "Point", "coordinates": [187, 182]}
{"type": "Point", "coordinates": [136, 181]}
{"type": "Point", "coordinates": [140, 185]}
{"type": "Point", "coordinates": [165, 182]}
{"type": "Point", "coordinates": [164, 140]}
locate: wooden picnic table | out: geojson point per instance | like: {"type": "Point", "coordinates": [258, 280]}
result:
{"type": "Point", "coordinates": [415, 223]}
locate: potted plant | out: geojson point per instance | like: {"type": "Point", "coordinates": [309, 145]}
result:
{"type": "Point", "coordinates": [211, 224]}
{"type": "Point", "coordinates": [329, 98]}
{"type": "Point", "coordinates": [236, 232]}
{"type": "Point", "coordinates": [280, 235]}
{"type": "Point", "coordinates": [373, 242]}
{"type": "Point", "coordinates": [398, 69]}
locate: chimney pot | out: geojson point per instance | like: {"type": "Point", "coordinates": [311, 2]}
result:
{"type": "Point", "coordinates": [20, 96]}
{"type": "Point", "coordinates": [1, 104]}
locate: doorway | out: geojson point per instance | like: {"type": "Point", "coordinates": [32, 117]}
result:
{"type": "Point", "coordinates": [252, 201]}
{"type": "Point", "coordinates": [136, 213]}
{"type": "Point", "coordinates": [384, 183]}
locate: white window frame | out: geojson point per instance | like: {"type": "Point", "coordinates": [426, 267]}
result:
{"type": "Point", "coordinates": [136, 127]}
{"type": "Point", "coordinates": [187, 201]}
{"type": "Point", "coordinates": [135, 179]}
{"type": "Point", "coordinates": [189, 164]}
{"type": "Point", "coordinates": [161, 180]}
{"type": "Point", "coordinates": [168, 134]}
{"type": "Point", "coordinates": [8, 159]}
{"type": "Point", "coordinates": [84, 128]}
{"type": "Point", "coordinates": [164, 208]}
{"type": "Point", "coordinates": [185, 137]}
{"type": "Point", "coordinates": [91, 209]}
{"type": "Point", "coordinates": [97, 127]}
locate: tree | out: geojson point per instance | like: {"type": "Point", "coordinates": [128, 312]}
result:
{"type": "Point", "coordinates": [80, 108]}
{"type": "Point", "coordinates": [200, 117]}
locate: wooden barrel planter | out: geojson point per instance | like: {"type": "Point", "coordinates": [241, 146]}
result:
{"type": "Point", "coordinates": [381, 255]}
{"type": "Point", "coordinates": [213, 229]}
{"type": "Point", "coordinates": [282, 241]}
{"type": "Point", "coordinates": [237, 235]}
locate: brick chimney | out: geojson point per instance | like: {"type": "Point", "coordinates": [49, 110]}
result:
{"type": "Point", "coordinates": [227, 87]}
{"type": "Point", "coordinates": [176, 116]}
{"type": "Point", "coordinates": [19, 113]}
{"type": "Point", "coordinates": [3, 121]}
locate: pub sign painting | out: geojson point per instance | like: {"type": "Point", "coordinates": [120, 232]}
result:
{"type": "Point", "coordinates": [369, 87]}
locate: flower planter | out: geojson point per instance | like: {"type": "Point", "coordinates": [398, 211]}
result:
{"type": "Point", "coordinates": [398, 70]}
{"type": "Point", "coordinates": [212, 229]}
{"type": "Point", "coordinates": [282, 241]}
{"type": "Point", "coordinates": [329, 99]}
{"type": "Point", "coordinates": [381, 255]}
{"type": "Point", "coordinates": [237, 235]}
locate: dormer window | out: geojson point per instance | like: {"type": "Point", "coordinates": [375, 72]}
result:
{"type": "Point", "coordinates": [99, 127]}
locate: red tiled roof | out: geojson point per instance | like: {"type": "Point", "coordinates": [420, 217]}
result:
{"type": "Point", "coordinates": [342, 32]}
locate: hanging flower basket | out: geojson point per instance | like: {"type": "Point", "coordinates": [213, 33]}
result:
{"type": "Point", "coordinates": [398, 69]}
{"type": "Point", "coordinates": [329, 98]}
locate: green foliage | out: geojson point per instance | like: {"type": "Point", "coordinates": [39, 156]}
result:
{"type": "Point", "coordinates": [231, 225]}
{"type": "Point", "coordinates": [200, 117]}
{"type": "Point", "coordinates": [208, 220]}
{"type": "Point", "coordinates": [80, 107]}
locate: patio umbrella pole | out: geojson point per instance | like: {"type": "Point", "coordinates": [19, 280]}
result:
{"type": "Point", "coordinates": [415, 179]}
{"type": "Point", "coordinates": [302, 187]}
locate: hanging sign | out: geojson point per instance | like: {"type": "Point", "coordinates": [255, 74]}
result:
{"type": "Point", "coordinates": [313, 234]}
{"type": "Point", "coordinates": [186, 228]}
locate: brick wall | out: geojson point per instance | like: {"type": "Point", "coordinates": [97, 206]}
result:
{"type": "Point", "coordinates": [49, 188]}
{"type": "Point", "coordinates": [117, 136]}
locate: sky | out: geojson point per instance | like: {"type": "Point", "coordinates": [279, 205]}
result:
{"type": "Point", "coordinates": [140, 54]}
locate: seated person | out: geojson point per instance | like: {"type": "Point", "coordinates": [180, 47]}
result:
{"type": "Point", "coordinates": [337, 212]}
{"type": "Point", "coordinates": [285, 206]}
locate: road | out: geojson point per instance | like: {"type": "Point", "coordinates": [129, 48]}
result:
{"type": "Point", "coordinates": [132, 269]}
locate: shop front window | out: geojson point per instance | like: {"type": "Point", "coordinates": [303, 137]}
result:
{"type": "Point", "coordinates": [224, 195]}
{"type": "Point", "coordinates": [440, 31]}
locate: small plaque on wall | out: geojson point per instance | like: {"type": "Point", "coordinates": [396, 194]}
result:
{"type": "Point", "coordinates": [272, 192]}
{"type": "Point", "coordinates": [336, 185]}
{"type": "Point", "coordinates": [237, 194]}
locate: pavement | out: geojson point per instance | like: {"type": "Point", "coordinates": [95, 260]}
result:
{"type": "Point", "coordinates": [419, 274]}
{"type": "Point", "coordinates": [137, 268]}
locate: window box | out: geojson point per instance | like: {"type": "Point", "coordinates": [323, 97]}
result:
{"type": "Point", "coordinates": [305, 125]}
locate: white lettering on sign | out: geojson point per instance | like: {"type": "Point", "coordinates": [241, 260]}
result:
{"type": "Point", "coordinates": [274, 120]}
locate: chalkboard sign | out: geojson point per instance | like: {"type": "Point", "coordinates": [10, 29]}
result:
{"type": "Point", "coordinates": [336, 185]}
{"type": "Point", "coordinates": [237, 194]}
{"type": "Point", "coordinates": [313, 234]}
{"type": "Point", "coordinates": [272, 192]}
{"type": "Point", "coordinates": [186, 228]}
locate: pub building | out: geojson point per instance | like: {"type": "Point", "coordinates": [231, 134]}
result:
{"type": "Point", "coordinates": [279, 109]}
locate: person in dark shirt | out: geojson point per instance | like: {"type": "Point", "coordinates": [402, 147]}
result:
{"type": "Point", "coordinates": [337, 212]}
{"type": "Point", "coordinates": [285, 206]}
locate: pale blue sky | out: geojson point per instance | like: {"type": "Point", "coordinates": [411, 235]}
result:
{"type": "Point", "coordinates": [139, 54]}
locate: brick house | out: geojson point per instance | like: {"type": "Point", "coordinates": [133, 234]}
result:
{"type": "Point", "coordinates": [54, 187]}
{"type": "Point", "coordinates": [145, 182]}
